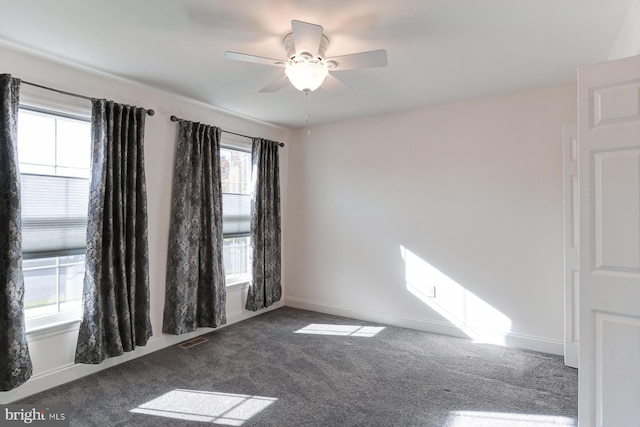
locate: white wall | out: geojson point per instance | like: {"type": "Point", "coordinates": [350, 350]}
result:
{"type": "Point", "coordinates": [52, 351]}
{"type": "Point", "coordinates": [472, 189]}
{"type": "Point", "coordinates": [628, 41]}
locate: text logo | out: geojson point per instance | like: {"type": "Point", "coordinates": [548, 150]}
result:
{"type": "Point", "coordinates": [34, 415]}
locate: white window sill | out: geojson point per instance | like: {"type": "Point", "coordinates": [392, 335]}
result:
{"type": "Point", "coordinates": [39, 329]}
{"type": "Point", "coordinates": [237, 283]}
{"type": "Point", "coordinates": [46, 330]}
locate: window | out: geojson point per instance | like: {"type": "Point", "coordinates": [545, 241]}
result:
{"type": "Point", "coordinates": [54, 151]}
{"type": "Point", "coordinates": [236, 218]}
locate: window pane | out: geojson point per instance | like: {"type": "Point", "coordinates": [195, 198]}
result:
{"type": "Point", "coordinates": [53, 285]}
{"type": "Point", "coordinates": [73, 149]}
{"type": "Point", "coordinates": [30, 264]}
{"type": "Point", "coordinates": [225, 164]}
{"type": "Point", "coordinates": [74, 172]}
{"type": "Point", "coordinates": [36, 142]}
{"type": "Point", "coordinates": [72, 259]}
{"type": "Point", "coordinates": [236, 257]}
{"type": "Point", "coordinates": [239, 179]}
{"type": "Point", "coordinates": [37, 169]}
{"type": "Point", "coordinates": [40, 293]}
{"type": "Point", "coordinates": [241, 258]}
{"type": "Point", "coordinates": [226, 256]}
{"type": "Point", "coordinates": [70, 293]}
{"type": "Point", "coordinates": [236, 171]}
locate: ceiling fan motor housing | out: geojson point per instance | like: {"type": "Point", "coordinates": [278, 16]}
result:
{"type": "Point", "coordinates": [290, 47]}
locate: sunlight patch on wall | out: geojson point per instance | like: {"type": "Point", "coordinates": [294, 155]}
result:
{"type": "Point", "coordinates": [203, 406]}
{"type": "Point", "coordinates": [341, 330]}
{"type": "Point", "coordinates": [466, 311]}
{"type": "Point", "coordinates": [498, 419]}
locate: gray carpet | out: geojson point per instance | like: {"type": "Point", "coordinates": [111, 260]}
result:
{"type": "Point", "coordinates": [259, 372]}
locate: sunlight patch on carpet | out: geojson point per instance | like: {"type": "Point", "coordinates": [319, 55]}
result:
{"type": "Point", "coordinates": [203, 406]}
{"type": "Point", "coordinates": [341, 330]}
{"type": "Point", "coordinates": [498, 419]}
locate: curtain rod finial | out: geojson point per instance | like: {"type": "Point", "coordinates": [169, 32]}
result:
{"type": "Point", "coordinates": [173, 118]}
{"type": "Point", "coordinates": [150, 112]}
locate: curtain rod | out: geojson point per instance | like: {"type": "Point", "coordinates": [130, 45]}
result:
{"type": "Point", "coordinates": [175, 119]}
{"type": "Point", "coordinates": [149, 112]}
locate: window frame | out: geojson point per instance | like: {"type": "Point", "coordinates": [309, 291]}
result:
{"type": "Point", "coordinates": [239, 143]}
{"type": "Point", "coordinates": [37, 100]}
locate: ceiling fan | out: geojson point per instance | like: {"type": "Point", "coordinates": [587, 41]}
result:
{"type": "Point", "coordinates": [306, 66]}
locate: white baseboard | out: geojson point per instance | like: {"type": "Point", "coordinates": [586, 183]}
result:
{"type": "Point", "coordinates": [71, 372]}
{"type": "Point", "coordinates": [544, 345]}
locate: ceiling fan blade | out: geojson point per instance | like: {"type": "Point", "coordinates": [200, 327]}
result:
{"type": "Point", "coordinates": [275, 85]}
{"type": "Point", "coordinates": [235, 56]}
{"type": "Point", "coordinates": [370, 59]}
{"type": "Point", "coordinates": [334, 85]}
{"type": "Point", "coordinates": [306, 37]}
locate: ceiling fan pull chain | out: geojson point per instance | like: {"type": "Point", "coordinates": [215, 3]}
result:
{"type": "Point", "coordinates": [306, 93]}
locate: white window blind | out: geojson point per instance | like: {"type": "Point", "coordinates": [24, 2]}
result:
{"type": "Point", "coordinates": [236, 215]}
{"type": "Point", "coordinates": [54, 215]}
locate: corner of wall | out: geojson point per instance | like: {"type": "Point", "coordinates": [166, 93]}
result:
{"type": "Point", "coordinates": [628, 41]}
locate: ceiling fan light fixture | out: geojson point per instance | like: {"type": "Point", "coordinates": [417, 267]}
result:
{"type": "Point", "coordinates": [306, 76]}
{"type": "Point", "coordinates": [306, 65]}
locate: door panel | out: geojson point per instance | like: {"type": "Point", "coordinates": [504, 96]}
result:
{"type": "Point", "coordinates": [615, 104]}
{"type": "Point", "coordinates": [617, 207]}
{"type": "Point", "coordinates": [571, 244]}
{"type": "Point", "coordinates": [609, 151]}
{"type": "Point", "coordinates": [618, 344]}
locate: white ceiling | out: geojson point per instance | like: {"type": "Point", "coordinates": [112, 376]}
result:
{"type": "Point", "coordinates": [439, 51]}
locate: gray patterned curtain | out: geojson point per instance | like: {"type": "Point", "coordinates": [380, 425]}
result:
{"type": "Point", "coordinates": [266, 286]}
{"type": "Point", "coordinates": [116, 282]}
{"type": "Point", "coordinates": [195, 292]}
{"type": "Point", "coordinates": [15, 363]}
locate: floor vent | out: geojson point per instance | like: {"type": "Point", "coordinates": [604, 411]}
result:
{"type": "Point", "coordinates": [193, 342]}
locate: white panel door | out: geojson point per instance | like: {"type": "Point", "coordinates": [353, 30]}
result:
{"type": "Point", "coordinates": [609, 132]}
{"type": "Point", "coordinates": [571, 244]}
